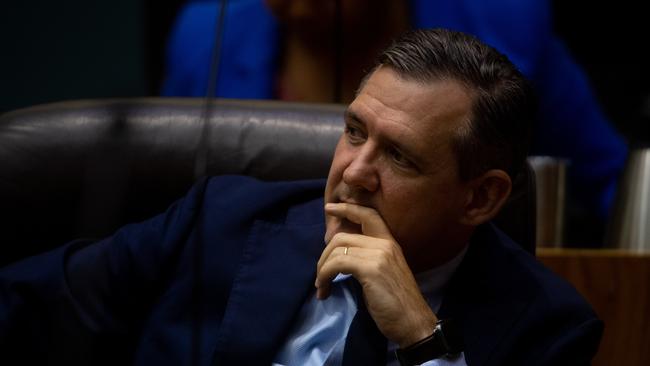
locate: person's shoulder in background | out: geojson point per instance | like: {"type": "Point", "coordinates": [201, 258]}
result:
{"type": "Point", "coordinates": [248, 51]}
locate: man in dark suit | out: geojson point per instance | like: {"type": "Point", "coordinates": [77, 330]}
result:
{"type": "Point", "coordinates": [411, 270]}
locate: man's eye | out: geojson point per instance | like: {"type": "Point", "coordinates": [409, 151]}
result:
{"type": "Point", "coordinates": [354, 134]}
{"type": "Point", "coordinates": [399, 158]}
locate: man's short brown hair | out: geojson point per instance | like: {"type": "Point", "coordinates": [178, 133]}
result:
{"type": "Point", "coordinates": [497, 136]}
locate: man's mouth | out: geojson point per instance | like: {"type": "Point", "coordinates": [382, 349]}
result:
{"type": "Point", "coordinates": [354, 201]}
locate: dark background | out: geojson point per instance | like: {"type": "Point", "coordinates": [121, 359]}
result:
{"type": "Point", "coordinates": [610, 41]}
{"type": "Point", "coordinates": [73, 49]}
{"type": "Point", "coordinates": [58, 50]}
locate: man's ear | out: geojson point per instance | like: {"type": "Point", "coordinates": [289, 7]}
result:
{"type": "Point", "coordinates": [487, 194]}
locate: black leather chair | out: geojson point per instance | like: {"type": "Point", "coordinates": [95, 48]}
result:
{"type": "Point", "coordinates": [84, 168]}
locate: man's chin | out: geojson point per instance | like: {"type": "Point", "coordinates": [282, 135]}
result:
{"type": "Point", "coordinates": [336, 225]}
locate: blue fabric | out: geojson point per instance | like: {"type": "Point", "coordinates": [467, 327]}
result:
{"type": "Point", "coordinates": [318, 336]}
{"type": "Point", "coordinates": [129, 299]}
{"type": "Point", "coordinates": [572, 124]}
{"type": "Point", "coordinates": [249, 51]}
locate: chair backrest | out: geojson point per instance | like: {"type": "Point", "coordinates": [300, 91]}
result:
{"type": "Point", "coordinates": [84, 168]}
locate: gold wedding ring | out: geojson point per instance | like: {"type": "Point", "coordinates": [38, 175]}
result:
{"type": "Point", "coordinates": [345, 252]}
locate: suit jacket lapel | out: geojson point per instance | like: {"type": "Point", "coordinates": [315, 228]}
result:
{"type": "Point", "coordinates": [276, 274]}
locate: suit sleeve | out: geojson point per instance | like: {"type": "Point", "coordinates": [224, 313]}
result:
{"type": "Point", "coordinates": [577, 346]}
{"type": "Point", "coordinates": [77, 294]}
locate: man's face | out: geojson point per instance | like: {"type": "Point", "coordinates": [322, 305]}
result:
{"type": "Point", "coordinates": [395, 156]}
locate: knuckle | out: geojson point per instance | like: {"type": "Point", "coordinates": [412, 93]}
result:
{"type": "Point", "coordinates": [383, 258]}
{"type": "Point", "coordinates": [375, 268]}
{"type": "Point", "coordinates": [388, 246]}
{"type": "Point", "coordinates": [339, 237]}
{"type": "Point", "coordinates": [396, 248]}
{"type": "Point", "coordinates": [325, 270]}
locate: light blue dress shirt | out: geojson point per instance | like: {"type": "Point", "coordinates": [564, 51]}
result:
{"type": "Point", "coordinates": [318, 338]}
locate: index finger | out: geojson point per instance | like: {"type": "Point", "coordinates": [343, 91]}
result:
{"type": "Point", "coordinates": [372, 224]}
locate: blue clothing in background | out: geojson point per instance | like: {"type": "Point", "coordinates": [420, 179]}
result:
{"type": "Point", "coordinates": [571, 125]}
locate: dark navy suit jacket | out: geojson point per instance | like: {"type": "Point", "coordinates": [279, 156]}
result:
{"type": "Point", "coordinates": [220, 277]}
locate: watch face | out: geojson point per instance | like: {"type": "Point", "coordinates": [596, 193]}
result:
{"type": "Point", "coordinates": [446, 341]}
{"type": "Point", "coordinates": [452, 335]}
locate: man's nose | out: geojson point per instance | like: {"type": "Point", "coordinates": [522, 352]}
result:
{"type": "Point", "coordinates": [362, 171]}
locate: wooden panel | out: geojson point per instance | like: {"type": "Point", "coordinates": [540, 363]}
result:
{"type": "Point", "coordinates": [617, 285]}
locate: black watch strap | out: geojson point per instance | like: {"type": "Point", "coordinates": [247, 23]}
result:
{"type": "Point", "coordinates": [446, 340]}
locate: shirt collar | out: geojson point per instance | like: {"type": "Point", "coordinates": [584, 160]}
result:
{"type": "Point", "coordinates": [432, 281]}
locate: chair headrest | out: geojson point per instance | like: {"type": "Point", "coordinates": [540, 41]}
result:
{"type": "Point", "coordinates": [84, 168]}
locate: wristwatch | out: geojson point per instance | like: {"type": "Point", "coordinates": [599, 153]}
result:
{"type": "Point", "coordinates": [446, 341]}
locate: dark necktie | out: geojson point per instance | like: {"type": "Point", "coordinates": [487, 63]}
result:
{"type": "Point", "coordinates": [364, 345]}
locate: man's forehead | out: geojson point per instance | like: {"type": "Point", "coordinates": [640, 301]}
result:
{"type": "Point", "coordinates": [421, 106]}
{"type": "Point", "coordinates": [389, 125]}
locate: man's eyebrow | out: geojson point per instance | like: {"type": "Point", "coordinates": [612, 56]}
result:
{"type": "Point", "coordinates": [400, 146]}
{"type": "Point", "coordinates": [350, 115]}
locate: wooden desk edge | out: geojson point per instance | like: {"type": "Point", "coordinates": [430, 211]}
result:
{"type": "Point", "coordinates": [573, 252]}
